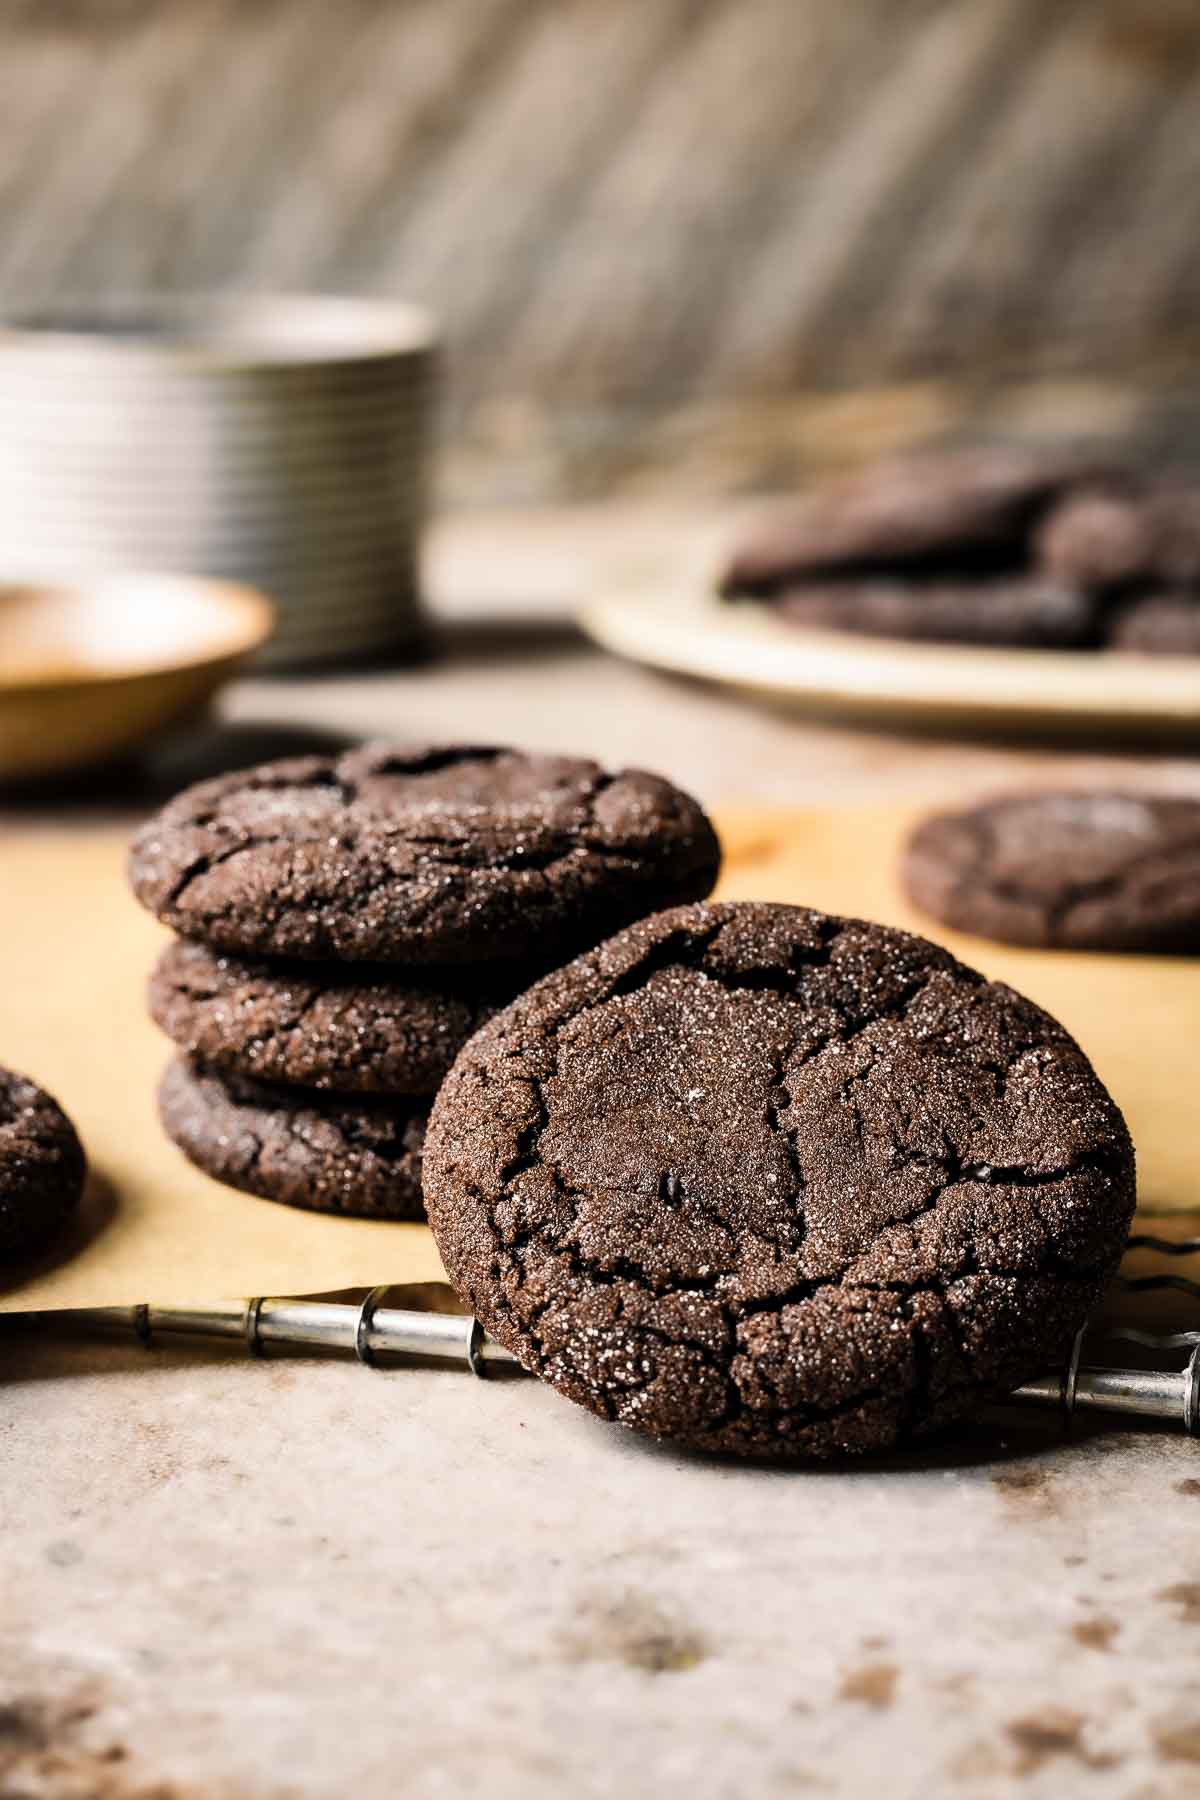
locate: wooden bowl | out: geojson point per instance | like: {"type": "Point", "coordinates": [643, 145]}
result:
{"type": "Point", "coordinates": [90, 671]}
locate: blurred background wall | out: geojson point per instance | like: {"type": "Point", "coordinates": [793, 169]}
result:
{"type": "Point", "coordinates": [672, 242]}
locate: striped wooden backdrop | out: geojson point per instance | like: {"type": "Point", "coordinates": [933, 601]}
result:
{"type": "Point", "coordinates": [646, 224]}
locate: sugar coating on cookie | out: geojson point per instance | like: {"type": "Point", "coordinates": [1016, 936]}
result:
{"type": "Point", "coordinates": [320, 1152]}
{"type": "Point", "coordinates": [42, 1165]}
{"type": "Point", "coordinates": [459, 854]}
{"type": "Point", "coordinates": [1068, 869]}
{"type": "Point", "coordinates": [346, 1028]}
{"type": "Point", "coordinates": [772, 1182]}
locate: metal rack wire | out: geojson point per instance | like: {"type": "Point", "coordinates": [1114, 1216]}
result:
{"type": "Point", "coordinates": [371, 1330]}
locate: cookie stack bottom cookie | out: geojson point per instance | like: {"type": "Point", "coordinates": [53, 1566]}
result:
{"type": "Point", "coordinates": [316, 1151]}
{"type": "Point", "coordinates": [310, 1084]}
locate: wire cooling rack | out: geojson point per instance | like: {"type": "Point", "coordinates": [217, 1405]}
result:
{"type": "Point", "coordinates": [1167, 1391]}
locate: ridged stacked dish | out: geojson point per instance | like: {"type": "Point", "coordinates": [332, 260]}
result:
{"type": "Point", "coordinates": [274, 441]}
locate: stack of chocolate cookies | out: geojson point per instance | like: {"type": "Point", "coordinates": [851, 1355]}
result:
{"type": "Point", "coordinates": [999, 546]}
{"type": "Point", "coordinates": [346, 924]}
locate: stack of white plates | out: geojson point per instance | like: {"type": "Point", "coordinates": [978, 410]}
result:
{"type": "Point", "coordinates": [279, 442]}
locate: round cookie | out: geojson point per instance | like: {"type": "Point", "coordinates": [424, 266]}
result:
{"type": "Point", "coordinates": [452, 855]}
{"type": "Point", "coordinates": [1021, 611]}
{"type": "Point", "coordinates": [350, 1030]}
{"type": "Point", "coordinates": [324, 1154]}
{"type": "Point", "coordinates": [938, 507]}
{"type": "Point", "coordinates": [42, 1165]}
{"type": "Point", "coordinates": [776, 1183]}
{"type": "Point", "coordinates": [1077, 869]}
{"type": "Point", "coordinates": [1158, 624]}
{"type": "Point", "coordinates": [1111, 534]}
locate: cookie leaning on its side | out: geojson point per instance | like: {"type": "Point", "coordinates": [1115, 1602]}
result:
{"type": "Point", "coordinates": [776, 1183]}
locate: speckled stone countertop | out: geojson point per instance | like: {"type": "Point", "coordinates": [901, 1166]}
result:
{"type": "Point", "coordinates": [298, 1578]}
{"type": "Point", "coordinates": [301, 1578]}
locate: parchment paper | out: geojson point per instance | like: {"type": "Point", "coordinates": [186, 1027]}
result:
{"type": "Point", "coordinates": [75, 950]}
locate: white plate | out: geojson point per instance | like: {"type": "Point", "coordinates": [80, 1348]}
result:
{"type": "Point", "coordinates": [690, 632]}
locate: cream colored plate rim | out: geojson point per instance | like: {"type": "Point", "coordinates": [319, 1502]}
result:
{"type": "Point", "coordinates": [690, 632]}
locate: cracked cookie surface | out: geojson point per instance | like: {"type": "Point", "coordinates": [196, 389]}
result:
{"type": "Point", "coordinates": [448, 855]}
{"type": "Point", "coordinates": [777, 1183]}
{"type": "Point", "coordinates": [42, 1165]}
{"type": "Point", "coordinates": [328, 1026]}
{"type": "Point", "coordinates": [316, 1151]}
{"type": "Point", "coordinates": [1070, 869]}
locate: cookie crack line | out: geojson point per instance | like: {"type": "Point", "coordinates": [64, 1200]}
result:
{"type": "Point", "coordinates": [529, 1145]}
{"type": "Point", "coordinates": [205, 863]}
{"type": "Point", "coordinates": [628, 1269]}
{"type": "Point", "coordinates": [430, 761]}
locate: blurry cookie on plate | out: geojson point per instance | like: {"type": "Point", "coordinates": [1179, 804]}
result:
{"type": "Point", "coordinates": [1115, 533]}
{"type": "Point", "coordinates": [1006, 610]}
{"type": "Point", "coordinates": [1162, 623]}
{"type": "Point", "coordinates": [957, 507]}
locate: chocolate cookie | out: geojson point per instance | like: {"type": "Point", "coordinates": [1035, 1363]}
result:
{"type": "Point", "coordinates": [1071, 870]}
{"type": "Point", "coordinates": [352, 1030]}
{"type": "Point", "coordinates": [955, 506]}
{"type": "Point", "coordinates": [1158, 624]}
{"type": "Point", "coordinates": [451, 855]}
{"type": "Point", "coordinates": [42, 1165]}
{"type": "Point", "coordinates": [772, 1182]}
{"type": "Point", "coordinates": [317, 1151]}
{"type": "Point", "coordinates": [1015, 610]}
{"type": "Point", "coordinates": [1114, 533]}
